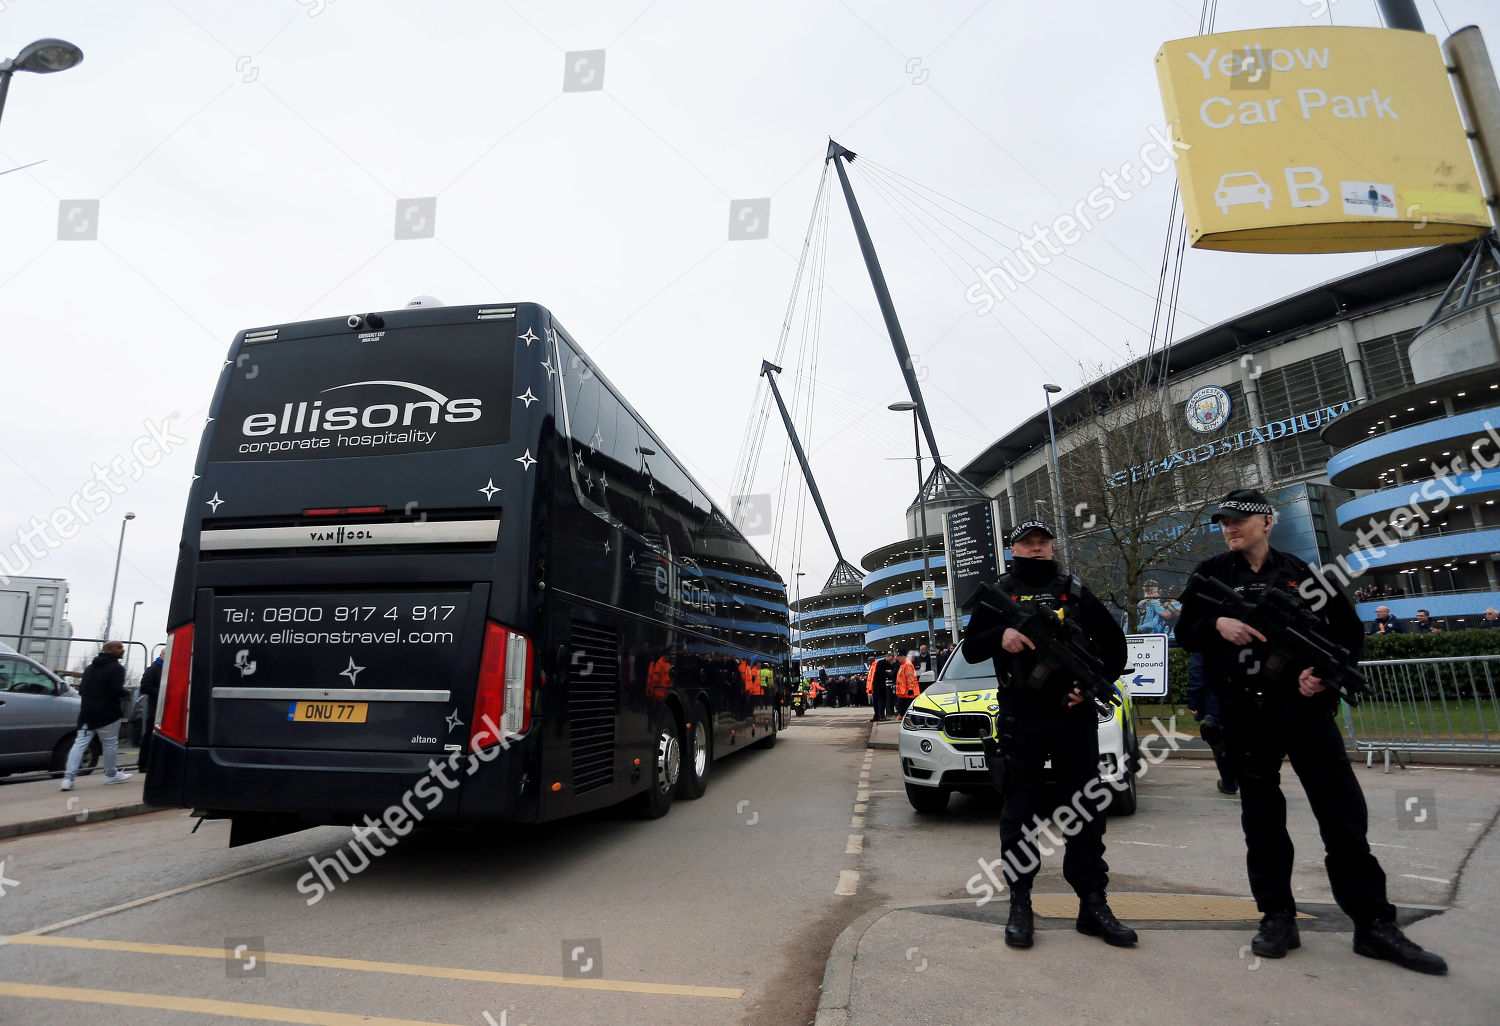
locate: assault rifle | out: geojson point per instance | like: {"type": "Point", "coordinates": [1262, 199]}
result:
{"type": "Point", "coordinates": [1296, 636]}
{"type": "Point", "coordinates": [1061, 646]}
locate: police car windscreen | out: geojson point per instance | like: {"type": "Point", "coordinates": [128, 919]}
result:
{"type": "Point", "coordinates": [374, 394]}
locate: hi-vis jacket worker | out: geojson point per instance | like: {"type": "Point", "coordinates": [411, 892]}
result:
{"type": "Point", "coordinates": [870, 679]}
{"type": "Point", "coordinates": [907, 686]}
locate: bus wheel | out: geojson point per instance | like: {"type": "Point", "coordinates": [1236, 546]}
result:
{"type": "Point", "coordinates": [666, 764]}
{"type": "Point", "coordinates": [769, 741]}
{"type": "Point", "coordinates": [698, 757]}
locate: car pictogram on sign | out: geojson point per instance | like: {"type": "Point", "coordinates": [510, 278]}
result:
{"type": "Point", "coordinates": [1241, 187]}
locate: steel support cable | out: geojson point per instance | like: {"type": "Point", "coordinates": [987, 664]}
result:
{"type": "Point", "coordinates": [987, 258]}
{"type": "Point", "coordinates": [752, 442]}
{"type": "Point", "coordinates": [914, 184]}
{"type": "Point", "coordinates": [1022, 346]}
{"type": "Point", "coordinates": [916, 214]}
{"type": "Point", "coordinates": [876, 186]}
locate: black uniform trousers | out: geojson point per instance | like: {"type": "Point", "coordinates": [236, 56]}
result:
{"type": "Point", "coordinates": [1072, 743]}
{"type": "Point", "coordinates": [1303, 731]}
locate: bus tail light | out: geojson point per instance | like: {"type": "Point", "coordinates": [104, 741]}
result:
{"type": "Point", "coordinates": [503, 697]}
{"type": "Point", "coordinates": [177, 664]}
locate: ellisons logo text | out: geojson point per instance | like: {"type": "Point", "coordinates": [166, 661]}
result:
{"type": "Point", "coordinates": [327, 426]}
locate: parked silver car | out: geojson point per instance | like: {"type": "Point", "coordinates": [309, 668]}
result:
{"type": "Point", "coordinates": [38, 718]}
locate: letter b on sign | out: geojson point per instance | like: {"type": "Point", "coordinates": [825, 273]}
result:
{"type": "Point", "coordinates": [1305, 186]}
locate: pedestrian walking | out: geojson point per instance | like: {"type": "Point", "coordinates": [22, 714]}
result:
{"type": "Point", "coordinates": [151, 689]}
{"type": "Point", "coordinates": [102, 689]}
{"type": "Point", "coordinates": [1274, 714]}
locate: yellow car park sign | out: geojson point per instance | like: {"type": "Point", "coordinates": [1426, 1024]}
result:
{"type": "Point", "coordinates": [1319, 139]}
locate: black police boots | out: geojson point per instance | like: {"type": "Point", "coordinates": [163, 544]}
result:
{"type": "Point", "coordinates": [1384, 939]}
{"type": "Point", "coordinates": [1277, 936]}
{"type": "Point", "coordinates": [1020, 927]}
{"type": "Point", "coordinates": [1096, 920]}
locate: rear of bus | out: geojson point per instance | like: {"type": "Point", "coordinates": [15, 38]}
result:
{"type": "Point", "coordinates": [352, 618]}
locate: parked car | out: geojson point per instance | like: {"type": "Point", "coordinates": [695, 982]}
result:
{"type": "Point", "coordinates": [38, 718]}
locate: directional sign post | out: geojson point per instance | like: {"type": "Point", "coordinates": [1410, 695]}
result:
{"type": "Point", "coordinates": [1145, 673]}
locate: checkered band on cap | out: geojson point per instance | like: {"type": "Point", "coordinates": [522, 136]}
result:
{"type": "Point", "coordinates": [1242, 506]}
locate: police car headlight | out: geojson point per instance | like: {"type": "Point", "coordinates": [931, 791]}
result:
{"type": "Point", "coordinates": [1106, 712]}
{"type": "Point", "coordinates": [915, 719]}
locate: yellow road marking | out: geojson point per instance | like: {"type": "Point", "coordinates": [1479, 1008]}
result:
{"type": "Point", "coordinates": [158, 897]}
{"type": "Point", "coordinates": [395, 968]}
{"type": "Point", "coordinates": [202, 1006]}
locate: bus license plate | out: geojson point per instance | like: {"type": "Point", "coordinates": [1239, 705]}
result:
{"type": "Point", "coordinates": [328, 712]}
{"type": "Point", "coordinates": [974, 762]}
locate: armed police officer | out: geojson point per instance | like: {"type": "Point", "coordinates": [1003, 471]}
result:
{"type": "Point", "coordinates": [1046, 715]}
{"type": "Point", "coordinates": [1276, 709]}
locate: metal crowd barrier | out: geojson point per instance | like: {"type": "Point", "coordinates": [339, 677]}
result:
{"type": "Point", "coordinates": [1427, 705]}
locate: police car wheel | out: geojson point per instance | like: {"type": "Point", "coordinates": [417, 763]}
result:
{"type": "Point", "coordinates": [927, 800]}
{"type": "Point", "coordinates": [697, 757]}
{"type": "Point", "coordinates": [1123, 801]}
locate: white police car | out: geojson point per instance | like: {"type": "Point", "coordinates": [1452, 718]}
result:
{"type": "Point", "coordinates": [942, 739]}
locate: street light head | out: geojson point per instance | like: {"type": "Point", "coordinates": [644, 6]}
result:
{"type": "Point", "coordinates": [48, 55]}
{"type": "Point", "coordinates": [1054, 389]}
{"type": "Point", "coordinates": [905, 406]}
{"type": "Point", "coordinates": [129, 516]}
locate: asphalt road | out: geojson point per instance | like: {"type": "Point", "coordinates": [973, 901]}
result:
{"type": "Point", "coordinates": [721, 912]}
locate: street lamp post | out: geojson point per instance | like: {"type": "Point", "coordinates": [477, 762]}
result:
{"type": "Point", "coordinates": [1059, 515]}
{"type": "Point", "coordinates": [43, 57]}
{"type": "Point", "coordinates": [911, 407]}
{"type": "Point", "coordinates": [135, 607]}
{"type": "Point", "coordinates": [109, 618]}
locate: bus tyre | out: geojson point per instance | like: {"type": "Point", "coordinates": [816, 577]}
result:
{"type": "Point", "coordinates": [927, 800]}
{"type": "Point", "coordinates": [666, 766]}
{"type": "Point", "coordinates": [698, 757]}
{"type": "Point", "coordinates": [769, 741]}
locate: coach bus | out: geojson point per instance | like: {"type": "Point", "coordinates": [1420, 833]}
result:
{"type": "Point", "coordinates": [433, 561]}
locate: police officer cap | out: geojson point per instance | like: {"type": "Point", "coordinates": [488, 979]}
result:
{"type": "Point", "coordinates": [1241, 503]}
{"type": "Point", "coordinates": [1024, 528]}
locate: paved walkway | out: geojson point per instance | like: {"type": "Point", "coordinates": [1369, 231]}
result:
{"type": "Point", "coordinates": [945, 961]}
{"type": "Point", "coordinates": [33, 803]}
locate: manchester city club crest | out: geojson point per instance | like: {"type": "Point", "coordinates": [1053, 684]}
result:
{"type": "Point", "coordinates": [1208, 409]}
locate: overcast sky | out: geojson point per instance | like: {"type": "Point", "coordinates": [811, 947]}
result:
{"type": "Point", "coordinates": [249, 161]}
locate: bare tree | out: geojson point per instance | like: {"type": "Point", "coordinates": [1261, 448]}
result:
{"type": "Point", "coordinates": [1138, 486]}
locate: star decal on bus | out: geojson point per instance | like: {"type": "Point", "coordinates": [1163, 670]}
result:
{"type": "Point", "coordinates": [489, 489]}
{"type": "Point", "coordinates": [596, 441]}
{"type": "Point", "coordinates": [528, 338]}
{"type": "Point", "coordinates": [579, 457]}
{"type": "Point", "coordinates": [631, 559]}
{"type": "Point", "coordinates": [550, 336]}
{"type": "Point", "coordinates": [525, 460]}
{"type": "Point", "coordinates": [603, 481]}
{"type": "Point", "coordinates": [588, 482]}
{"type": "Point", "coordinates": [453, 721]}
{"type": "Point", "coordinates": [527, 398]}
{"type": "Point", "coordinates": [214, 503]}
{"type": "Point", "coordinates": [551, 370]}
{"type": "Point", "coordinates": [606, 546]}
{"type": "Point", "coordinates": [351, 671]}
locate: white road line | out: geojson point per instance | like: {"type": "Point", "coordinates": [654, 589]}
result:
{"type": "Point", "coordinates": [158, 897]}
{"type": "Point", "coordinates": [1429, 879]}
{"type": "Point", "coordinates": [856, 844]}
{"type": "Point", "coordinates": [848, 882]}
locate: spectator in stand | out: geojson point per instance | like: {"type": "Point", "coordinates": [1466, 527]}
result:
{"type": "Point", "coordinates": [1424, 624]}
{"type": "Point", "coordinates": [1384, 623]}
{"type": "Point", "coordinates": [1491, 619]}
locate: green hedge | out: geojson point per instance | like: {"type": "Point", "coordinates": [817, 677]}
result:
{"type": "Point", "coordinates": [1381, 646]}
